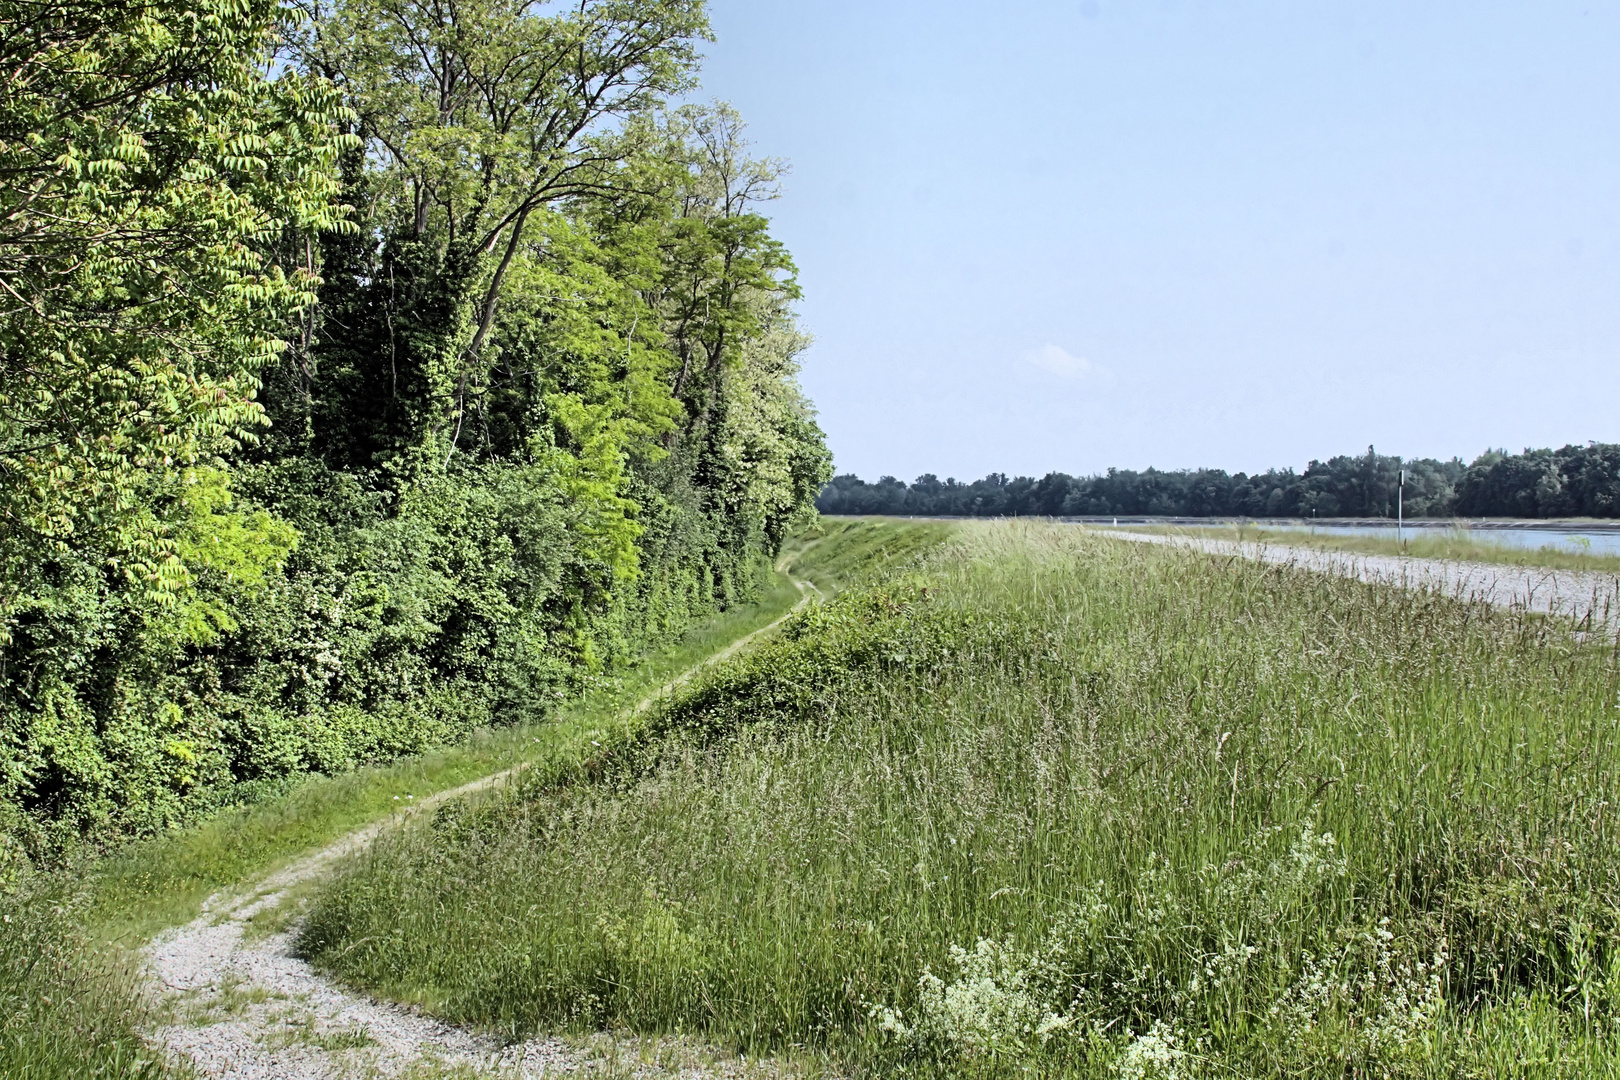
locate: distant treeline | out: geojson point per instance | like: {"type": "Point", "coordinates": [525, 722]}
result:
{"type": "Point", "coordinates": [1575, 481]}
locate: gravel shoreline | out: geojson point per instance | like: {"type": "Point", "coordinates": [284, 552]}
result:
{"type": "Point", "coordinates": [1583, 595]}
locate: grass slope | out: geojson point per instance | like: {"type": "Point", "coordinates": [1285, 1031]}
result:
{"type": "Point", "coordinates": [1453, 544]}
{"type": "Point", "coordinates": [68, 1005]}
{"type": "Point", "coordinates": [1050, 805]}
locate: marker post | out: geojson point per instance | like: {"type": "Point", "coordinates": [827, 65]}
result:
{"type": "Point", "coordinates": [1400, 509]}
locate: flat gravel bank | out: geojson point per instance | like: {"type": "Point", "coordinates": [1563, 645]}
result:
{"type": "Point", "coordinates": [1581, 595]}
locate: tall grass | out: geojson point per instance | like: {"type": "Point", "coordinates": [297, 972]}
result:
{"type": "Point", "coordinates": [1056, 805]}
{"type": "Point", "coordinates": [67, 1008]}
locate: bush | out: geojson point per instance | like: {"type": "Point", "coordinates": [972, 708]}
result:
{"type": "Point", "coordinates": [388, 621]}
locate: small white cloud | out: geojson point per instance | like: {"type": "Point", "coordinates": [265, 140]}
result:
{"type": "Point", "coordinates": [1064, 364]}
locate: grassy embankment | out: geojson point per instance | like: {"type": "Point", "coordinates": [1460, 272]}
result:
{"type": "Point", "coordinates": [67, 1001]}
{"type": "Point", "coordinates": [1058, 805]}
{"type": "Point", "coordinates": [1457, 544]}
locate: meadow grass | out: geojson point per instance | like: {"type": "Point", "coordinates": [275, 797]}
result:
{"type": "Point", "coordinates": [1046, 804]}
{"type": "Point", "coordinates": [1456, 544]}
{"type": "Point", "coordinates": [66, 1009]}
{"type": "Point", "coordinates": [68, 1004]}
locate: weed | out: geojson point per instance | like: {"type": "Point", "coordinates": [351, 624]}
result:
{"type": "Point", "coordinates": [67, 1008]}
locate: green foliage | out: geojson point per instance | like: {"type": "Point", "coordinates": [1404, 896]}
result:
{"type": "Point", "coordinates": [485, 117]}
{"type": "Point", "coordinates": [145, 158]}
{"type": "Point", "coordinates": [1573, 481]}
{"type": "Point", "coordinates": [1055, 805]}
{"type": "Point", "coordinates": [474, 479]}
{"type": "Point", "coordinates": [234, 551]}
{"type": "Point", "coordinates": [341, 417]}
{"type": "Point", "coordinates": [163, 880]}
{"type": "Point", "coordinates": [58, 979]}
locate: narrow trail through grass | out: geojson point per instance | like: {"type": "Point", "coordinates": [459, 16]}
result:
{"type": "Point", "coordinates": [73, 942]}
{"type": "Point", "coordinates": [243, 1004]}
{"type": "Point", "coordinates": [234, 981]}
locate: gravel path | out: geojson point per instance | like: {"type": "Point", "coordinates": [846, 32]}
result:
{"type": "Point", "coordinates": [243, 1005]}
{"type": "Point", "coordinates": [1577, 594]}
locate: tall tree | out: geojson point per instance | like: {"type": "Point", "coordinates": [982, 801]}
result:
{"type": "Point", "coordinates": [147, 158]}
{"type": "Point", "coordinates": [482, 115]}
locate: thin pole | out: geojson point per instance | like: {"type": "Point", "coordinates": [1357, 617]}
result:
{"type": "Point", "coordinates": [1400, 510]}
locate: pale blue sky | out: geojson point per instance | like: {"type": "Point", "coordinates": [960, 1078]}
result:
{"type": "Point", "coordinates": [1068, 234]}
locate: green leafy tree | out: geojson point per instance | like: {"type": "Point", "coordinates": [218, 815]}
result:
{"type": "Point", "coordinates": [482, 117]}
{"type": "Point", "coordinates": [725, 297]}
{"type": "Point", "coordinates": [374, 376]}
{"type": "Point", "coordinates": [725, 277]}
{"type": "Point", "coordinates": [147, 159]}
{"type": "Point", "coordinates": [775, 456]}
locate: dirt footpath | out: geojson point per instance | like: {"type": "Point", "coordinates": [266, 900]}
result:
{"type": "Point", "coordinates": [243, 1005]}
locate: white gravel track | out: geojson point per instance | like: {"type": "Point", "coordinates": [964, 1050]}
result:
{"type": "Point", "coordinates": [242, 1005]}
{"type": "Point", "coordinates": [1576, 594]}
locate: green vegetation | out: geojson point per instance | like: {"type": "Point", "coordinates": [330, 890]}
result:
{"type": "Point", "coordinates": [839, 552]}
{"type": "Point", "coordinates": [1045, 804]}
{"type": "Point", "coordinates": [161, 882]}
{"type": "Point", "coordinates": [65, 968]}
{"type": "Point", "coordinates": [67, 1009]}
{"type": "Point", "coordinates": [1573, 481]}
{"type": "Point", "coordinates": [1456, 544]}
{"type": "Point", "coordinates": [346, 409]}
{"type": "Point", "coordinates": [394, 393]}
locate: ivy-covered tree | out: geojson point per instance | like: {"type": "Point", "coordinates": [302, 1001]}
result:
{"type": "Point", "coordinates": [722, 288]}
{"type": "Point", "coordinates": [483, 117]}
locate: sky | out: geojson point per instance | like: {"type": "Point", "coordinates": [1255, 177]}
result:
{"type": "Point", "coordinates": [1073, 234]}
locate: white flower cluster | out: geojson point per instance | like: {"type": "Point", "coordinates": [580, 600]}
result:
{"type": "Point", "coordinates": [1001, 1002]}
{"type": "Point", "coordinates": [993, 1007]}
{"type": "Point", "coordinates": [1394, 996]}
{"type": "Point", "coordinates": [1363, 992]}
{"type": "Point", "coordinates": [1160, 1054]}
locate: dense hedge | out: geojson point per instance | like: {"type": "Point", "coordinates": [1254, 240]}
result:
{"type": "Point", "coordinates": [398, 622]}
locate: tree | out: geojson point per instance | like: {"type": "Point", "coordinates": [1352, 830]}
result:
{"type": "Point", "coordinates": [464, 229]}
{"type": "Point", "coordinates": [146, 162]}
{"type": "Point", "coordinates": [481, 116]}
{"type": "Point", "coordinates": [725, 277]}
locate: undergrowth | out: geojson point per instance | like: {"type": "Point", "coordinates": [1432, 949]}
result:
{"type": "Point", "coordinates": [1046, 804]}
{"type": "Point", "coordinates": [67, 1008]}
